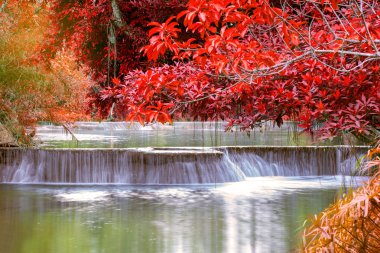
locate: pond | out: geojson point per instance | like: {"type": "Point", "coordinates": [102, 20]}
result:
{"type": "Point", "coordinates": [262, 214]}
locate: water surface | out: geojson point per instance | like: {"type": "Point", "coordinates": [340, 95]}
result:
{"type": "Point", "coordinates": [258, 214]}
{"type": "Point", "coordinates": [263, 214]}
{"type": "Point", "coordinates": [180, 134]}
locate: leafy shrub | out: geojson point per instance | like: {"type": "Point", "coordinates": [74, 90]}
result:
{"type": "Point", "coordinates": [352, 224]}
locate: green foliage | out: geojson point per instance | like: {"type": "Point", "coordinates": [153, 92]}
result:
{"type": "Point", "coordinates": [19, 82]}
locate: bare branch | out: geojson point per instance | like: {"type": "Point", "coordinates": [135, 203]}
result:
{"type": "Point", "coordinates": [366, 26]}
{"type": "Point", "coordinates": [374, 55]}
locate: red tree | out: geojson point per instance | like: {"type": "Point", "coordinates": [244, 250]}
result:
{"type": "Point", "coordinates": [106, 34]}
{"type": "Point", "coordinates": [316, 61]}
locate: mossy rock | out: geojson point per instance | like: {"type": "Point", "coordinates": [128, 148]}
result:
{"type": "Point", "coordinates": [6, 138]}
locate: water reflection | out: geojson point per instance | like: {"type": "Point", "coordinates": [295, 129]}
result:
{"type": "Point", "coordinates": [258, 215]}
{"type": "Point", "coordinates": [181, 134]}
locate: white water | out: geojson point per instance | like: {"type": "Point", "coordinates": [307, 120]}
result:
{"type": "Point", "coordinates": [171, 165]}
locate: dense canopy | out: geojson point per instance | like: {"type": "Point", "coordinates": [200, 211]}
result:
{"type": "Point", "coordinates": [244, 61]}
{"type": "Point", "coordinates": [254, 61]}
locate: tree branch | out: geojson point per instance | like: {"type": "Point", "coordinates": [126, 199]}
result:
{"type": "Point", "coordinates": [366, 26]}
{"type": "Point", "coordinates": [374, 55]}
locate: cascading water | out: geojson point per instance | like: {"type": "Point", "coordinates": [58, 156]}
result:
{"type": "Point", "coordinates": [131, 166]}
{"type": "Point", "coordinates": [172, 165]}
{"type": "Point", "coordinates": [295, 161]}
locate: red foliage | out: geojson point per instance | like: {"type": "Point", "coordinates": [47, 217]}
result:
{"type": "Point", "coordinates": [106, 35]}
{"type": "Point", "coordinates": [93, 31]}
{"type": "Point", "coordinates": [250, 61]}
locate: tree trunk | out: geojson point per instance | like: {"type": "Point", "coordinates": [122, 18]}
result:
{"type": "Point", "coordinates": [118, 18]}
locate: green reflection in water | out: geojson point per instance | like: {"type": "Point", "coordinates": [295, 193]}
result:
{"type": "Point", "coordinates": [249, 217]}
{"type": "Point", "coordinates": [183, 139]}
{"type": "Point", "coordinates": [182, 134]}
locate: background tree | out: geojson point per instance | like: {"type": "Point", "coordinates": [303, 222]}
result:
{"type": "Point", "coordinates": [30, 92]}
{"type": "Point", "coordinates": [106, 36]}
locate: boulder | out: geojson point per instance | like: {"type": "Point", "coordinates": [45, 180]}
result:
{"type": "Point", "coordinates": [6, 138]}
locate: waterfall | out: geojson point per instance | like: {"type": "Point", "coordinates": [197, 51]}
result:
{"type": "Point", "coordinates": [172, 165]}
{"type": "Point", "coordinates": [295, 161]}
